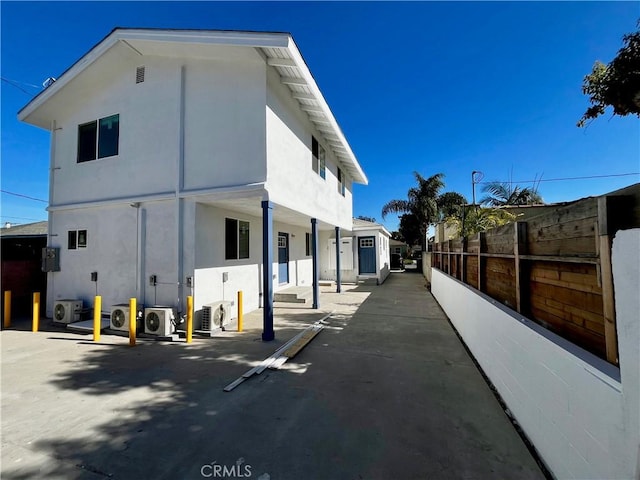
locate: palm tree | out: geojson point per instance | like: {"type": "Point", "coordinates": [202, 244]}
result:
{"type": "Point", "coordinates": [500, 194]}
{"type": "Point", "coordinates": [422, 202]}
{"type": "Point", "coordinates": [450, 204]}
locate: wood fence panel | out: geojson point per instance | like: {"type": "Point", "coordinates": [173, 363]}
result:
{"type": "Point", "coordinates": [500, 240]}
{"type": "Point", "coordinates": [500, 280]}
{"type": "Point", "coordinates": [471, 271]}
{"type": "Point", "coordinates": [554, 268]}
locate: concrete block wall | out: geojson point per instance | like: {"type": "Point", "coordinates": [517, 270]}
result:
{"type": "Point", "coordinates": [580, 412]}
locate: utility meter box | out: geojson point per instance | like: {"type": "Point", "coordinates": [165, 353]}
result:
{"type": "Point", "coordinates": [50, 259]}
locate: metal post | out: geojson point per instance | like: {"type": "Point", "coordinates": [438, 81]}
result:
{"type": "Point", "coordinates": [267, 271]}
{"type": "Point", "coordinates": [240, 311]}
{"type": "Point", "coordinates": [36, 311]}
{"type": "Point", "coordinates": [97, 318]}
{"type": "Point", "coordinates": [314, 251]}
{"type": "Point", "coordinates": [132, 321]}
{"type": "Point", "coordinates": [7, 308]}
{"type": "Point", "coordinates": [189, 319]}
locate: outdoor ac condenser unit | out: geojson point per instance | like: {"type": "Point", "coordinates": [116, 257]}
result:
{"type": "Point", "coordinates": [120, 317]}
{"type": "Point", "coordinates": [215, 315]}
{"type": "Point", "coordinates": [159, 321]}
{"type": "Point", "coordinates": [67, 311]}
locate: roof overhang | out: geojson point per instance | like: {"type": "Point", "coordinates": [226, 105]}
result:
{"type": "Point", "coordinates": [278, 49]}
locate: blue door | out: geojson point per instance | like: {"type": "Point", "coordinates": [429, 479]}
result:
{"type": "Point", "coordinates": [367, 255]}
{"type": "Point", "coordinates": [283, 258]}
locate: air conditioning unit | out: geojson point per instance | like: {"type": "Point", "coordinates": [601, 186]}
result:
{"type": "Point", "coordinates": [159, 321]}
{"type": "Point", "coordinates": [215, 315]}
{"type": "Point", "coordinates": [120, 317]}
{"type": "Point", "coordinates": [67, 311]}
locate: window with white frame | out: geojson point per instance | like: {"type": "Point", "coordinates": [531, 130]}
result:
{"type": "Point", "coordinates": [99, 138]}
{"type": "Point", "coordinates": [76, 239]}
{"type": "Point", "coordinates": [307, 244]}
{"type": "Point", "coordinates": [236, 239]}
{"type": "Point", "coordinates": [318, 158]}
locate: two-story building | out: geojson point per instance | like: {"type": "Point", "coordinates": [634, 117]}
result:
{"type": "Point", "coordinates": [189, 162]}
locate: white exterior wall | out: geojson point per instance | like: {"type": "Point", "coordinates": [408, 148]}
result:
{"type": "Point", "coordinates": [224, 121]}
{"type": "Point", "coordinates": [291, 181]}
{"type": "Point", "coordinates": [328, 267]}
{"type": "Point", "coordinates": [192, 125]}
{"type": "Point", "coordinates": [244, 274]}
{"type": "Point", "coordinates": [148, 136]}
{"type": "Point", "coordinates": [580, 416]}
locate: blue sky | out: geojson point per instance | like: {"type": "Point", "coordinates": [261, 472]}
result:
{"type": "Point", "coordinates": [421, 86]}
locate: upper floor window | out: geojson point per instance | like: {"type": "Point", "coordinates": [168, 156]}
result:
{"type": "Point", "coordinates": [318, 159]}
{"type": "Point", "coordinates": [341, 182]}
{"type": "Point", "coordinates": [98, 139]}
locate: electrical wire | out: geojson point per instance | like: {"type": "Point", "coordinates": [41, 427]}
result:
{"type": "Point", "coordinates": [14, 83]}
{"type": "Point", "coordinates": [24, 196]}
{"type": "Point", "coordinates": [565, 178]}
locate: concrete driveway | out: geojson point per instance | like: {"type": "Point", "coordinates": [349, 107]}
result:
{"type": "Point", "coordinates": [386, 391]}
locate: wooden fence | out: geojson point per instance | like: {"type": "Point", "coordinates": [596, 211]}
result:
{"type": "Point", "coordinates": [554, 269]}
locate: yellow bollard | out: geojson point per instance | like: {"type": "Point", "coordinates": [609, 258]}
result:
{"type": "Point", "coordinates": [189, 319]}
{"type": "Point", "coordinates": [36, 311]}
{"type": "Point", "coordinates": [97, 318]}
{"type": "Point", "coordinates": [133, 313]}
{"type": "Point", "coordinates": [240, 311]}
{"type": "Point", "coordinates": [7, 309]}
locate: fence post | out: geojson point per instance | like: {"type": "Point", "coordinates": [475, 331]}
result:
{"type": "Point", "coordinates": [463, 276]}
{"type": "Point", "coordinates": [449, 257]}
{"type": "Point", "coordinates": [36, 312]}
{"type": "Point", "coordinates": [481, 243]}
{"type": "Point", "coordinates": [7, 309]}
{"type": "Point", "coordinates": [608, 299]}
{"type": "Point", "coordinates": [520, 248]}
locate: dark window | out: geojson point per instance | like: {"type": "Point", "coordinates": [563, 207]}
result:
{"type": "Point", "coordinates": [236, 244]}
{"type": "Point", "coordinates": [341, 182]}
{"type": "Point", "coordinates": [321, 159]}
{"type": "Point", "coordinates": [243, 237]}
{"type": "Point", "coordinates": [307, 246]}
{"type": "Point", "coordinates": [98, 139]}
{"type": "Point", "coordinates": [87, 135]}
{"type": "Point", "coordinates": [82, 238]}
{"type": "Point", "coordinates": [314, 154]}
{"type": "Point", "coordinates": [231, 239]}
{"type": "Point", "coordinates": [72, 243]}
{"type": "Point", "coordinates": [108, 136]}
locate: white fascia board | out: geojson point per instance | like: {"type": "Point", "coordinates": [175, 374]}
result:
{"type": "Point", "coordinates": [356, 170]}
{"type": "Point", "coordinates": [213, 37]}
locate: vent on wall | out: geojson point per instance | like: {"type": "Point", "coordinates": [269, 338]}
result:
{"type": "Point", "coordinates": [140, 74]}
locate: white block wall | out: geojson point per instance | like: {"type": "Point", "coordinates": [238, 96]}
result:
{"type": "Point", "coordinates": [580, 412]}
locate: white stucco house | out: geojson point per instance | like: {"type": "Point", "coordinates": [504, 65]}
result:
{"type": "Point", "coordinates": [196, 163]}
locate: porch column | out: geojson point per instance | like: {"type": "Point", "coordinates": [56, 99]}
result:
{"type": "Point", "coordinates": [267, 271]}
{"type": "Point", "coordinates": [338, 276]}
{"type": "Point", "coordinates": [316, 275]}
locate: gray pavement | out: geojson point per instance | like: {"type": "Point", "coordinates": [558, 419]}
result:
{"type": "Point", "coordinates": [386, 391]}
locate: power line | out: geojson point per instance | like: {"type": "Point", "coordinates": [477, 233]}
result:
{"type": "Point", "coordinates": [24, 196]}
{"type": "Point", "coordinates": [13, 83]}
{"type": "Point", "coordinates": [22, 218]}
{"type": "Point", "coordinates": [567, 178]}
